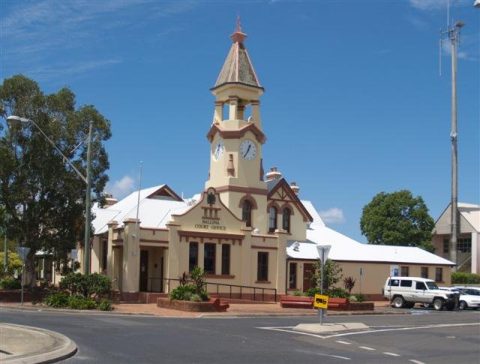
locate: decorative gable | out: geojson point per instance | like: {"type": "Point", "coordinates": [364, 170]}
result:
{"type": "Point", "coordinates": [281, 193]}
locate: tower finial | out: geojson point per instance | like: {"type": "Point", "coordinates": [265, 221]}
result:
{"type": "Point", "coordinates": [238, 36]}
{"type": "Point", "coordinates": [239, 25]}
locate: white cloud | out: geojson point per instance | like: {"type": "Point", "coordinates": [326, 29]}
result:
{"type": "Point", "coordinates": [437, 4]}
{"type": "Point", "coordinates": [122, 187]}
{"type": "Point", "coordinates": [447, 50]}
{"type": "Point", "coordinates": [70, 69]}
{"type": "Point", "coordinates": [429, 4]}
{"type": "Point", "coordinates": [332, 216]}
{"type": "Point", "coordinates": [47, 31]}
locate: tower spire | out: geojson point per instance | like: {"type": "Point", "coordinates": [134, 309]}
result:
{"type": "Point", "coordinates": [238, 67]}
{"type": "Point", "coordinates": [238, 36]}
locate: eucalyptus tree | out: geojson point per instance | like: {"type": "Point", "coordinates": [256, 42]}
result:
{"type": "Point", "coordinates": [42, 196]}
{"type": "Point", "coordinates": [397, 218]}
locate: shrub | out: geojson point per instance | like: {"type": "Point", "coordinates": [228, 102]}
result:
{"type": "Point", "coordinates": [74, 283]}
{"type": "Point", "coordinates": [465, 278]}
{"type": "Point", "coordinates": [105, 305]}
{"type": "Point", "coordinates": [77, 302]}
{"type": "Point", "coordinates": [196, 298]}
{"type": "Point", "coordinates": [182, 292]}
{"type": "Point", "coordinates": [297, 293]}
{"type": "Point", "coordinates": [353, 298]}
{"type": "Point", "coordinates": [198, 277]}
{"type": "Point", "coordinates": [349, 283]}
{"type": "Point", "coordinates": [313, 291]}
{"type": "Point", "coordinates": [360, 297]}
{"type": "Point", "coordinates": [337, 293]}
{"type": "Point", "coordinates": [14, 264]}
{"type": "Point", "coordinates": [10, 283]}
{"type": "Point", "coordinates": [93, 285]}
{"type": "Point", "coordinates": [332, 273]}
{"type": "Point", "coordinates": [98, 285]}
{"type": "Point", "coordinates": [57, 299]}
{"type": "Point", "coordinates": [186, 290]}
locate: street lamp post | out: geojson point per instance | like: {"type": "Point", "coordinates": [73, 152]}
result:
{"type": "Point", "coordinates": [323, 251]}
{"type": "Point", "coordinates": [87, 180]}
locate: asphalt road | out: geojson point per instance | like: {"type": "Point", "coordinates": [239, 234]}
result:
{"type": "Point", "coordinates": [420, 336]}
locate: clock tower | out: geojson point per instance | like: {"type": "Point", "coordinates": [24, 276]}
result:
{"type": "Point", "coordinates": [236, 136]}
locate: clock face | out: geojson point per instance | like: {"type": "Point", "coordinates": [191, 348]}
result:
{"type": "Point", "coordinates": [218, 150]}
{"type": "Point", "coordinates": [248, 149]}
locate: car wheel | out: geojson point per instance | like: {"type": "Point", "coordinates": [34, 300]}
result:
{"type": "Point", "coordinates": [462, 305]}
{"type": "Point", "coordinates": [398, 302]}
{"type": "Point", "coordinates": [438, 304]}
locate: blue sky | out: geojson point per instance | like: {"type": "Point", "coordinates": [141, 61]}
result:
{"type": "Point", "coordinates": [354, 103]}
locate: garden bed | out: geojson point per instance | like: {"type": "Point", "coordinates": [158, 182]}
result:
{"type": "Point", "coordinates": [213, 305]}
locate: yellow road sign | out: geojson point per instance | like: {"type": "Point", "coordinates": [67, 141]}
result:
{"type": "Point", "coordinates": [320, 301]}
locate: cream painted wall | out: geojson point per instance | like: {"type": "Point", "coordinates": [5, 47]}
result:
{"type": "Point", "coordinates": [247, 172]}
{"type": "Point", "coordinates": [374, 275]}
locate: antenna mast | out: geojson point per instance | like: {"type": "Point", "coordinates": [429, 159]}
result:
{"type": "Point", "coordinates": [453, 34]}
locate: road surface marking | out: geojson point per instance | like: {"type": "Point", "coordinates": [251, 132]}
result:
{"type": "Point", "coordinates": [391, 354]}
{"type": "Point", "coordinates": [322, 354]}
{"type": "Point", "coordinates": [416, 361]}
{"type": "Point", "coordinates": [343, 342]}
{"type": "Point", "coordinates": [402, 329]}
{"type": "Point", "coordinates": [286, 329]}
{"type": "Point", "coordinates": [367, 348]}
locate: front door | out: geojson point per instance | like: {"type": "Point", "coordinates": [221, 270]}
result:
{"type": "Point", "coordinates": [143, 270]}
{"type": "Point", "coordinates": [308, 271]}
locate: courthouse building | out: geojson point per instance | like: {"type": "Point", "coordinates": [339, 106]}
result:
{"type": "Point", "coordinates": [246, 228]}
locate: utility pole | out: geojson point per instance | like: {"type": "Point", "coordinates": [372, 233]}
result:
{"type": "Point", "coordinates": [86, 267]}
{"type": "Point", "coordinates": [453, 34]}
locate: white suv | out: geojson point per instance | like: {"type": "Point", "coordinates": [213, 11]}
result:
{"type": "Point", "coordinates": [406, 291]}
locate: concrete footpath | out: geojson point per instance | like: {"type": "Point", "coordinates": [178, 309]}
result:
{"type": "Point", "coordinates": [46, 346]}
{"type": "Point", "coordinates": [28, 345]}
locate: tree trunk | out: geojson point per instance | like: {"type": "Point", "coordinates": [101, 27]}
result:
{"type": "Point", "coordinates": [30, 279]}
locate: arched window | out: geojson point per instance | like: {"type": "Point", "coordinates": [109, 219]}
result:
{"type": "Point", "coordinates": [247, 212]}
{"type": "Point", "coordinates": [272, 219]}
{"type": "Point", "coordinates": [286, 219]}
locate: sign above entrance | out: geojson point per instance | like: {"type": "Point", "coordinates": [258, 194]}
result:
{"type": "Point", "coordinates": [209, 223]}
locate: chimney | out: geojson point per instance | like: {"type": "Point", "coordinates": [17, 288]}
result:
{"type": "Point", "coordinates": [110, 200]}
{"type": "Point", "coordinates": [273, 174]}
{"type": "Point", "coordinates": [294, 187]}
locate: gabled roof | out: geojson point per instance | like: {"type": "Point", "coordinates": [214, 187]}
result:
{"type": "Point", "coordinates": [271, 184]}
{"type": "Point", "coordinates": [282, 183]}
{"type": "Point", "coordinates": [157, 204]}
{"type": "Point", "coordinates": [238, 67]}
{"type": "Point", "coordinates": [470, 212]}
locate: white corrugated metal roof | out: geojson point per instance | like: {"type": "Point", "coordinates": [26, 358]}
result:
{"type": "Point", "coordinates": [155, 213]}
{"type": "Point", "coordinates": [152, 212]}
{"type": "Point", "coordinates": [317, 220]}
{"type": "Point", "coordinates": [346, 249]}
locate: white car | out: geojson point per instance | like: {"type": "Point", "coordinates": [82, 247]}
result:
{"type": "Point", "coordinates": [469, 297]}
{"type": "Point", "coordinates": [407, 291]}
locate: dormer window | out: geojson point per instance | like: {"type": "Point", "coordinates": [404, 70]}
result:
{"type": "Point", "coordinates": [272, 219]}
{"type": "Point", "coordinates": [286, 219]}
